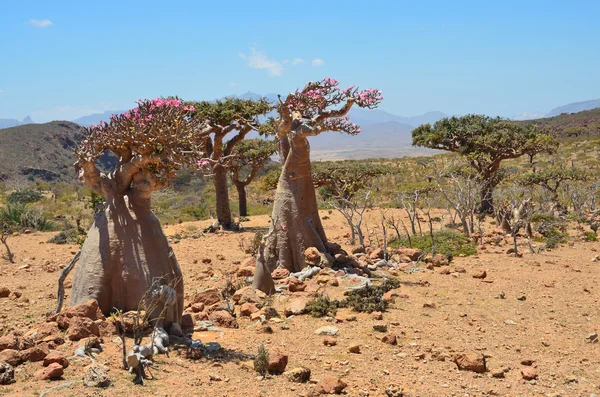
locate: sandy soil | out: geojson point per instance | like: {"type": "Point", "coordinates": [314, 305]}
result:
{"type": "Point", "coordinates": [561, 289]}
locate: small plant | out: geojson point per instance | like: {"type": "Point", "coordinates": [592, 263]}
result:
{"type": "Point", "coordinates": [448, 242]}
{"type": "Point", "coordinates": [321, 306]}
{"type": "Point", "coordinates": [261, 362]}
{"type": "Point", "coordinates": [369, 298]}
{"type": "Point", "coordinates": [590, 236]}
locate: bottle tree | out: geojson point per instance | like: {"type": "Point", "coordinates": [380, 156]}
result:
{"type": "Point", "coordinates": [295, 223]}
{"type": "Point", "coordinates": [231, 117]}
{"type": "Point", "coordinates": [485, 142]}
{"type": "Point", "coordinates": [248, 158]}
{"type": "Point", "coordinates": [126, 251]}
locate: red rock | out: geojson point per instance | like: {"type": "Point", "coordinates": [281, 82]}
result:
{"type": "Point", "coordinates": [106, 328]}
{"type": "Point", "coordinates": [470, 362]}
{"type": "Point", "coordinates": [296, 307]}
{"type": "Point", "coordinates": [36, 353]}
{"type": "Point", "coordinates": [9, 342]}
{"type": "Point", "coordinates": [334, 283]}
{"type": "Point", "coordinates": [15, 295]}
{"type": "Point", "coordinates": [247, 309]}
{"type": "Point", "coordinates": [82, 327]}
{"type": "Point", "coordinates": [312, 256]}
{"type": "Point", "coordinates": [56, 357]}
{"type": "Point", "coordinates": [377, 254]}
{"type": "Point", "coordinates": [295, 285]}
{"type": "Point", "coordinates": [25, 342]}
{"type": "Point", "coordinates": [444, 270]}
{"type": "Point", "coordinates": [277, 362]}
{"type": "Point", "coordinates": [390, 339]}
{"type": "Point", "coordinates": [329, 341]}
{"type": "Point", "coordinates": [222, 318]}
{"type": "Point", "coordinates": [52, 371]}
{"type": "Point", "coordinates": [439, 260]}
{"type": "Point", "coordinates": [46, 332]}
{"type": "Point", "coordinates": [460, 269]}
{"type": "Point", "coordinates": [4, 292]}
{"type": "Point", "coordinates": [197, 307]}
{"type": "Point", "coordinates": [330, 385]}
{"type": "Point", "coordinates": [377, 315]}
{"type": "Point", "coordinates": [529, 373]}
{"type": "Point", "coordinates": [245, 271]}
{"type": "Point", "coordinates": [481, 274]}
{"type": "Point", "coordinates": [391, 295]}
{"type": "Point", "coordinates": [413, 253]}
{"type": "Point", "coordinates": [280, 274]}
{"type": "Point", "coordinates": [199, 316]}
{"type": "Point", "coordinates": [87, 309]}
{"type": "Point", "coordinates": [248, 294]}
{"type": "Point", "coordinates": [11, 356]}
{"type": "Point", "coordinates": [207, 297]}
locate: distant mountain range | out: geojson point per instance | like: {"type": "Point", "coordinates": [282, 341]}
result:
{"type": "Point", "coordinates": [575, 107]}
{"type": "Point", "coordinates": [6, 123]}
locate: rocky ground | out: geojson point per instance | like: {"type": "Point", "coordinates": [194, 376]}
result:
{"type": "Point", "coordinates": [516, 326]}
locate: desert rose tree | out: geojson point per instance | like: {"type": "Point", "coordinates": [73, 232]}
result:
{"type": "Point", "coordinates": [233, 118]}
{"type": "Point", "coordinates": [248, 158]}
{"type": "Point", "coordinates": [295, 223]}
{"type": "Point", "coordinates": [126, 250]}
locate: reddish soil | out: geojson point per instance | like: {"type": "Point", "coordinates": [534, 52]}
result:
{"type": "Point", "coordinates": [549, 327]}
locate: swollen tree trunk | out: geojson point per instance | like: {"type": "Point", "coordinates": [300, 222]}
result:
{"type": "Point", "coordinates": [295, 222]}
{"type": "Point", "coordinates": [125, 252]}
{"type": "Point", "coordinates": [487, 201]}
{"type": "Point", "coordinates": [222, 192]}
{"type": "Point", "coordinates": [243, 201]}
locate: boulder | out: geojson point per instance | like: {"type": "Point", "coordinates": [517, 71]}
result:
{"type": "Point", "coordinates": [207, 297]}
{"type": "Point", "coordinates": [56, 357]}
{"type": "Point", "coordinates": [295, 307]}
{"type": "Point", "coordinates": [82, 327]}
{"type": "Point", "coordinates": [330, 385]}
{"type": "Point", "coordinates": [470, 362]}
{"type": "Point", "coordinates": [9, 342]}
{"type": "Point", "coordinates": [224, 319]}
{"type": "Point", "coordinates": [299, 375]}
{"type": "Point", "coordinates": [11, 356]}
{"type": "Point", "coordinates": [4, 292]}
{"type": "Point", "coordinates": [88, 309]}
{"type": "Point", "coordinates": [35, 353]}
{"type": "Point", "coordinates": [413, 253]}
{"type": "Point", "coordinates": [248, 294]}
{"type": "Point", "coordinates": [52, 371]}
{"type": "Point", "coordinates": [247, 309]}
{"type": "Point", "coordinates": [277, 362]}
{"type": "Point", "coordinates": [529, 373]}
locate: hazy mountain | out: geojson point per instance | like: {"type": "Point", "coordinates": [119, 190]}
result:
{"type": "Point", "coordinates": [575, 107]}
{"type": "Point", "coordinates": [95, 118]}
{"type": "Point", "coordinates": [388, 134]}
{"type": "Point", "coordinates": [6, 123]}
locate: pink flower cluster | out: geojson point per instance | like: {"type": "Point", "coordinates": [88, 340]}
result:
{"type": "Point", "coordinates": [329, 82]}
{"type": "Point", "coordinates": [342, 124]}
{"type": "Point", "coordinates": [369, 97]}
{"type": "Point", "coordinates": [203, 163]}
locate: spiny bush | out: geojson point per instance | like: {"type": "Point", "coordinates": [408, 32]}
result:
{"type": "Point", "coordinates": [448, 242]}
{"type": "Point", "coordinates": [261, 362]}
{"type": "Point", "coordinates": [590, 236]}
{"type": "Point", "coordinates": [321, 306]}
{"type": "Point", "coordinates": [24, 196]}
{"type": "Point", "coordinates": [369, 298]}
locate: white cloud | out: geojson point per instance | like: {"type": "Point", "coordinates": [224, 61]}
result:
{"type": "Point", "coordinates": [258, 60]}
{"type": "Point", "coordinates": [297, 61]}
{"type": "Point", "coordinates": [318, 62]}
{"type": "Point", "coordinates": [529, 116]}
{"type": "Point", "coordinates": [41, 23]}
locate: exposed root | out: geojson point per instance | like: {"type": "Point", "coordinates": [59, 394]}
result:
{"type": "Point", "coordinates": [61, 280]}
{"type": "Point", "coordinates": [42, 394]}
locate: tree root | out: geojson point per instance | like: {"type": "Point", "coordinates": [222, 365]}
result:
{"type": "Point", "coordinates": [43, 394]}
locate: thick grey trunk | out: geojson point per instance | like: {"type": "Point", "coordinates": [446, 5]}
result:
{"type": "Point", "coordinates": [222, 193]}
{"type": "Point", "coordinates": [124, 252]}
{"type": "Point", "coordinates": [243, 201]}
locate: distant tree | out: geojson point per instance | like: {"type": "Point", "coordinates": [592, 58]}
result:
{"type": "Point", "coordinates": [551, 179]}
{"type": "Point", "coordinates": [345, 178]}
{"type": "Point", "coordinates": [6, 229]}
{"type": "Point", "coordinates": [248, 157]}
{"type": "Point", "coordinates": [220, 119]}
{"type": "Point", "coordinates": [485, 142]}
{"type": "Point", "coordinates": [126, 249]}
{"type": "Point", "coordinates": [295, 223]}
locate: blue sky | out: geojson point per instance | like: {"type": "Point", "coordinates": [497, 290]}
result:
{"type": "Point", "coordinates": [65, 59]}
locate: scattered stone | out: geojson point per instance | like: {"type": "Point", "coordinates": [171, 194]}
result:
{"type": "Point", "coordinates": [330, 385]}
{"type": "Point", "coordinates": [439, 260]}
{"type": "Point", "coordinates": [334, 283]}
{"type": "Point", "coordinates": [509, 322]}
{"type": "Point", "coordinates": [527, 362]}
{"type": "Point", "coordinates": [429, 305]}
{"type": "Point", "coordinates": [413, 253]}
{"type": "Point", "coordinates": [480, 274]}
{"type": "Point", "coordinates": [328, 330]}
{"type": "Point", "coordinates": [377, 315]}
{"type": "Point", "coordinates": [377, 253]}
{"type": "Point", "coordinates": [390, 339]}
{"type": "Point", "coordinates": [4, 292]}
{"type": "Point", "coordinates": [460, 269]}
{"type": "Point", "coordinates": [312, 256]}
{"type": "Point", "coordinates": [247, 309]}
{"type": "Point", "coordinates": [529, 373]}
{"type": "Point", "coordinates": [277, 362]}
{"type": "Point", "coordinates": [380, 327]}
{"type": "Point", "coordinates": [223, 318]}
{"type": "Point", "coordinates": [521, 297]}
{"type": "Point", "coordinates": [248, 295]}
{"type": "Point", "coordinates": [470, 362]}
{"type": "Point", "coordinates": [214, 377]}
{"type": "Point", "coordinates": [36, 353]}
{"type": "Point", "coordinates": [444, 270]}
{"type": "Point", "coordinates": [11, 356]}
{"type": "Point", "coordinates": [56, 357]}
{"type": "Point", "coordinates": [52, 371]}
{"type": "Point", "coordinates": [498, 373]}
{"type": "Point", "coordinates": [394, 391]}
{"type": "Point", "coordinates": [9, 342]}
{"type": "Point", "coordinates": [295, 285]}
{"type": "Point", "coordinates": [354, 348]}
{"type": "Point", "coordinates": [299, 375]}
{"type": "Point", "coordinates": [208, 297]}
{"type": "Point", "coordinates": [7, 374]}
{"type": "Point", "coordinates": [279, 274]}
{"type": "Point", "coordinates": [96, 376]}
{"type": "Point", "coordinates": [330, 341]}
{"type": "Point", "coordinates": [501, 295]}
{"type": "Point", "coordinates": [82, 327]}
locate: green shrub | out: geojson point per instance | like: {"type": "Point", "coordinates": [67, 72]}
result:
{"type": "Point", "coordinates": [321, 306]}
{"type": "Point", "coordinates": [590, 236]}
{"type": "Point", "coordinates": [369, 298]}
{"type": "Point", "coordinates": [448, 242]}
{"type": "Point", "coordinates": [261, 362]}
{"type": "Point", "coordinates": [24, 196]}
{"type": "Point", "coordinates": [20, 216]}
